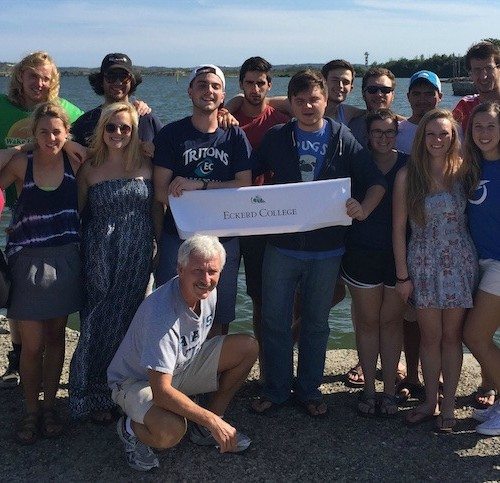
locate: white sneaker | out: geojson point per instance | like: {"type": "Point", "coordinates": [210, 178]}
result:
{"type": "Point", "coordinates": [139, 456]}
{"type": "Point", "coordinates": [201, 436]}
{"type": "Point", "coordinates": [490, 427]}
{"type": "Point", "coordinates": [483, 415]}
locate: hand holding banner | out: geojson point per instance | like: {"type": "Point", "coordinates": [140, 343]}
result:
{"type": "Point", "coordinates": [258, 210]}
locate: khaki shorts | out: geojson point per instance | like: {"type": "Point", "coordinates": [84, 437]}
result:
{"type": "Point", "coordinates": [489, 270]}
{"type": "Point", "coordinates": [201, 376]}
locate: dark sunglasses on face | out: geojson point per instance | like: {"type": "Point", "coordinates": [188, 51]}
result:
{"type": "Point", "coordinates": [121, 77]}
{"type": "Point", "coordinates": [111, 128]}
{"type": "Point", "coordinates": [382, 89]}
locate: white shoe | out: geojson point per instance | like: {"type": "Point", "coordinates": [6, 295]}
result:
{"type": "Point", "coordinates": [139, 456]}
{"type": "Point", "coordinates": [483, 415]}
{"type": "Point", "coordinates": [201, 436]}
{"type": "Point", "coordinates": [490, 427]}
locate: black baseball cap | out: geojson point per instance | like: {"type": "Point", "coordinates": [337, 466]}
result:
{"type": "Point", "coordinates": [116, 61]}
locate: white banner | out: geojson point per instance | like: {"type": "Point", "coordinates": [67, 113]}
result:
{"type": "Point", "coordinates": [258, 210]}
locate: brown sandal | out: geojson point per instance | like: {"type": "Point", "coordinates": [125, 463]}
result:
{"type": "Point", "coordinates": [52, 427]}
{"type": "Point", "coordinates": [28, 429]}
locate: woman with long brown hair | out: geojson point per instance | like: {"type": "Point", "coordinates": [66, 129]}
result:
{"type": "Point", "coordinates": [438, 266]}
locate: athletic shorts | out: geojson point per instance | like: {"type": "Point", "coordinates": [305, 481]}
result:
{"type": "Point", "coordinates": [252, 250]}
{"type": "Point", "coordinates": [489, 273]}
{"type": "Point", "coordinates": [368, 268]}
{"type": "Point", "coordinates": [201, 376]}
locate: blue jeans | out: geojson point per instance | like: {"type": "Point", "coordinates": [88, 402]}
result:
{"type": "Point", "coordinates": [225, 310]}
{"type": "Point", "coordinates": [281, 276]}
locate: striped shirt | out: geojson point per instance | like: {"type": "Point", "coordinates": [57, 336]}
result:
{"type": "Point", "coordinates": [45, 218]}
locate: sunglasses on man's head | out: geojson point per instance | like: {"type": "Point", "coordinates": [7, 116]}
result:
{"type": "Point", "coordinates": [111, 128]}
{"type": "Point", "coordinates": [119, 76]}
{"type": "Point", "coordinates": [382, 89]}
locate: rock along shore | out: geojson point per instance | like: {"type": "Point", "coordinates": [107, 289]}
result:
{"type": "Point", "coordinates": [287, 445]}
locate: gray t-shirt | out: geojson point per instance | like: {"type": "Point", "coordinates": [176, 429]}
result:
{"type": "Point", "coordinates": [406, 134]}
{"type": "Point", "coordinates": [164, 335]}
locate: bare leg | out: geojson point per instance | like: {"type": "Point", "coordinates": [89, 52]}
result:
{"type": "Point", "coordinates": [451, 357]}
{"type": "Point", "coordinates": [15, 332]}
{"type": "Point", "coordinates": [482, 322]}
{"type": "Point", "coordinates": [238, 355]}
{"type": "Point", "coordinates": [391, 336]}
{"type": "Point", "coordinates": [431, 328]}
{"type": "Point", "coordinates": [31, 361]}
{"type": "Point", "coordinates": [161, 428]}
{"type": "Point", "coordinates": [54, 342]}
{"type": "Point", "coordinates": [411, 346]}
{"type": "Point", "coordinates": [367, 303]}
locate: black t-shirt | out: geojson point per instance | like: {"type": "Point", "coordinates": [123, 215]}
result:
{"type": "Point", "coordinates": [83, 128]}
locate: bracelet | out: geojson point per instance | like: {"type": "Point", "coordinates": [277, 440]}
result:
{"type": "Point", "coordinates": [403, 280]}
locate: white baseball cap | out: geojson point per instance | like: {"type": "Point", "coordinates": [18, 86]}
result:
{"type": "Point", "coordinates": [207, 69]}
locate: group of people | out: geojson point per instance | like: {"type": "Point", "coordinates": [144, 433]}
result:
{"type": "Point", "coordinates": [92, 223]}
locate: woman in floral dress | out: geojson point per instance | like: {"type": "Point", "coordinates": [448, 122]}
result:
{"type": "Point", "coordinates": [438, 266]}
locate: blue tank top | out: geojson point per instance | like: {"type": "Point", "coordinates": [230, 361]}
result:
{"type": "Point", "coordinates": [45, 218]}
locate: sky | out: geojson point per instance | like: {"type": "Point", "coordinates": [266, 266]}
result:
{"type": "Point", "coordinates": [175, 33]}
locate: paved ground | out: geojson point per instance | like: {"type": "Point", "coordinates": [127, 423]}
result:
{"type": "Point", "coordinates": [286, 446]}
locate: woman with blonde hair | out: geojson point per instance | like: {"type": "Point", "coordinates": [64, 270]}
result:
{"type": "Point", "coordinates": [115, 198]}
{"type": "Point", "coordinates": [438, 266]}
{"type": "Point", "coordinates": [43, 253]}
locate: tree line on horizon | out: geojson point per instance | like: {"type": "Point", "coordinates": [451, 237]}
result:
{"type": "Point", "coordinates": [444, 65]}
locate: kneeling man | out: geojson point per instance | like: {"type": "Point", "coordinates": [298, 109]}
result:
{"type": "Point", "coordinates": [165, 358]}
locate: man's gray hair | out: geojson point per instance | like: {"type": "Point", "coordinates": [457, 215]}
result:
{"type": "Point", "coordinates": [205, 246]}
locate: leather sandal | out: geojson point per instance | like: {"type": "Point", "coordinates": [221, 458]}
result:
{"type": "Point", "coordinates": [28, 429]}
{"type": "Point", "coordinates": [52, 427]}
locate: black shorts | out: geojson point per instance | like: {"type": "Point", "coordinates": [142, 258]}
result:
{"type": "Point", "coordinates": [368, 268]}
{"type": "Point", "coordinates": [252, 250]}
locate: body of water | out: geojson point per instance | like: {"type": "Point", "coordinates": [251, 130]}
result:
{"type": "Point", "coordinates": [168, 98]}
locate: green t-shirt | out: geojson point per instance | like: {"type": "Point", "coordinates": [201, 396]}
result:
{"type": "Point", "coordinates": [14, 121]}
{"type": "Point", "coordinates": [15, 128]}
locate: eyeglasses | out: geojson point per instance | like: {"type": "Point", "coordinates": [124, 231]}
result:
{"type": "Point", "coordinates": [124, 128]}
{"type": "Point", "coordinates": [382, 89]}
{"type": "Point", "coordinates": [489, 69]}
{"type": "Point", "coordinates": [120, 76]}
{"type": "Point", "coordinates": [378, 133]}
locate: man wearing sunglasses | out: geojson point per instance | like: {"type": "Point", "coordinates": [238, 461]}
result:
{"type": "Point", "coordinates": [116, 81]}
{"type": "Point", "coordinates": [378, 92]}
{"type": "Point", "coordinates": [483, 63]}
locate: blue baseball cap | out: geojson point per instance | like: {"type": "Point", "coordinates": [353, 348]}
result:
{"type": "Point", "coordinates": [428, 76]}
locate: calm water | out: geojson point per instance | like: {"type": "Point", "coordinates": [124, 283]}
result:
{"type": "Point", "coordinates": [168, 99]}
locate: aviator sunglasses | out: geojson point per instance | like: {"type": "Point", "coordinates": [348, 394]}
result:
{"type": "Point", "coordinates": [375, 89]}
{"type": "Point", "coordinates": [111, 128]}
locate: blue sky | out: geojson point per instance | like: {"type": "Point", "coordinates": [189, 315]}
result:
{"type": "Point", "coordinates": [226, 32]}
